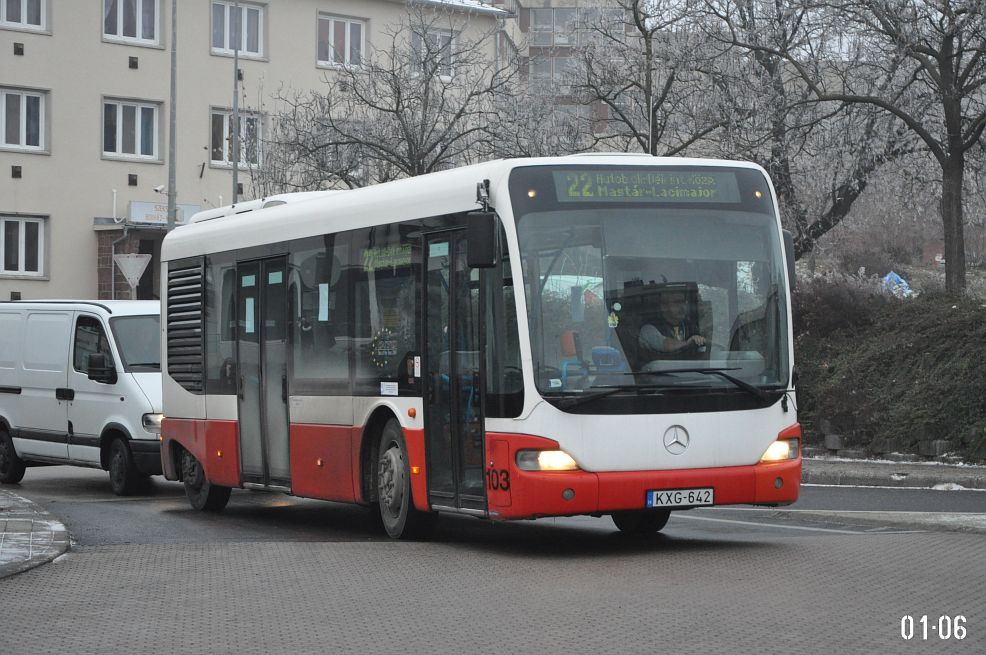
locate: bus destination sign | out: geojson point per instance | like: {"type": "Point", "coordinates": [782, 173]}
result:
{"type": "Point", "coordinates": [622, 185]}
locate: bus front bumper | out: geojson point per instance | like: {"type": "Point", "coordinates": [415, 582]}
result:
{"type": "Point", "coordinates": [533, 494]}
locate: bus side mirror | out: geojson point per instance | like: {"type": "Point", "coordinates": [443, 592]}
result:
{"type": "Point", "coordinates": [100, 369]}
{"type": "Point", "coordinates": [789, 251]}
{"type": "Point", "coordinates": [481, 240]}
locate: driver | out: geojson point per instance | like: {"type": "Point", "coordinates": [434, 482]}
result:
{"type": "Point", "coordinates": [673, 332]}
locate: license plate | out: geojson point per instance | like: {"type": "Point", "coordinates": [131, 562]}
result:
{"type": "Point", "coordinates": [680, 497]}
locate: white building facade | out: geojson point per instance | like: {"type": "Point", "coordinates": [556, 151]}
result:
{"type": "Point", "coordinates": [84, 118]}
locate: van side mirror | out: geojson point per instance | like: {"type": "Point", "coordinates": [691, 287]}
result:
{"type": "Point", "coordinates": [789, 252]}
{"type": "Point", "coordinates": [481, 240]}
{"type": "Point", "coordinates": [101, 369]}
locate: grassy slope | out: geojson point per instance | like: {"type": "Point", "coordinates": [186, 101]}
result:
{"type": "Point", "coordinates": [891, 375]}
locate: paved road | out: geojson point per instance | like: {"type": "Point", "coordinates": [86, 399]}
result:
{"type": "Point", "coordinates": [281, 575]}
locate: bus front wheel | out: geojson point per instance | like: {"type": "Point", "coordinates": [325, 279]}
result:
{"type": "Point", "coordinates": [202, 495]}
{"type": "Point", "coordinates": [642, 521]}
{"type": "Point", "coordinates": [400, 518]}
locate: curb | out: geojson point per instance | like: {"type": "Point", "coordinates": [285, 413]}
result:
{"type": "Point", "coordinates": [29, 536]}
{"type": "Point", "coordinates": [869, 473]}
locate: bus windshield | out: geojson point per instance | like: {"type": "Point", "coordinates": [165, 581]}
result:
{"type": "Point", "coordinates": [651, 281]}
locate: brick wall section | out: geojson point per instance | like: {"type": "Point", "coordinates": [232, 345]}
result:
{"type": "Point", "coordinates": [105, 266]}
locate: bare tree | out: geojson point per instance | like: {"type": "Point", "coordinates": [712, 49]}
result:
{"type": "Point", "coordinates": [645, 67]}
{"type": "Point", "coordinates": [819, 154]}
{"type": "Point", "coordinates": [939, 47]}
{"type": "Point", "coordinates": [423, 102]}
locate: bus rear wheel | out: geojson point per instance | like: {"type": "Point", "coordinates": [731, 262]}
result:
{"type": "Point", "coordinates": [641, 522]}
{"type": "Point", "coordinates": [400, 518]}
{"type": "Point", "coordinates": [12, 467]}
{"type": "Point", "coordinates": [202, 495]}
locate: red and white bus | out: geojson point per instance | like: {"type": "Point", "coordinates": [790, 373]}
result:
{"type": "Point", "coordinates": [492, 340]}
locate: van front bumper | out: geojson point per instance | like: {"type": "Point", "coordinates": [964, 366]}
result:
{"type": "Point", "coordinates": [147, 455]}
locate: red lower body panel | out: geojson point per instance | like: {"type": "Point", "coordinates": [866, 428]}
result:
{"type": "Point", "coordinates": [322, 462]}
{"type": "Point", "coordinates": [535, 493]}
{"type": "Point", "coordinates": [214, 443]}
{"type": "Point", "coordinates": [326, 461]}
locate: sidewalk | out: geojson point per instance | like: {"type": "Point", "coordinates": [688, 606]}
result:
{"type": "Point", "coordinates": [29, 536]}
{"type": "Point", "coordinates": [879, 473]}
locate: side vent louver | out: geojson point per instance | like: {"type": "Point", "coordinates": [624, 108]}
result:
{"type": "Point", "coordinates": [186, 361]}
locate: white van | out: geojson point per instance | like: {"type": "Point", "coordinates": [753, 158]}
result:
{"type": "Point", "coordinates": [80, 383]}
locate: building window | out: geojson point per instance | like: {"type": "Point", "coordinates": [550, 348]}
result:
{"type": "Point", "coordinates": [22, 119]}
{"type": "Point", "coordinates": [130, 129]}
{"type": "Point", "coordinates": [131, 20]}
{"type": "Point", "coordinates": [432, 52]}
{"type": "Point", "coordinates": [557, 27]}
{"type": "Point", "coordinates": [594, 23]}
{"type": "Point", "coordinates": [340, 41]}
{"type": "Point", "coordinates": [24, 14]}
{"type": "Point", "coordinates": [232, 25]}
{"type": "Point", "coordinates": [222, 139]}
{"type": "Point", "coordinates": [558, 71]}
{"type": "Point", "coordinates": [22, 246]}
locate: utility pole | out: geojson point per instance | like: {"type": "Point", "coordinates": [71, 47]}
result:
{"type": "Point", "coordinates": [173, 121]}
{"type": "Point", "coordinates": [235, 127]}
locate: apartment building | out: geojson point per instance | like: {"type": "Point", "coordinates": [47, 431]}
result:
{"type": "Point", "coordinates": [84, 118]}
{"type": "Point", "coordinates": [551, 31]}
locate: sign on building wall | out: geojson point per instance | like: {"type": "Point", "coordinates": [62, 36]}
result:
{"type": "Point", "coordinates": [156, 213]}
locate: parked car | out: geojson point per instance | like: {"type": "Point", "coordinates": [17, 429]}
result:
{"type": "Point", "coordinates": [80, 384]}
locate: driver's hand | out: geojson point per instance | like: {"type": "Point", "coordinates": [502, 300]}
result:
{"type": "Point", "coordinates": [697, 339]}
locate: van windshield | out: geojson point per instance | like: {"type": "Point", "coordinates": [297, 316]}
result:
{"type": "Point", "coordinates": [138, 338]}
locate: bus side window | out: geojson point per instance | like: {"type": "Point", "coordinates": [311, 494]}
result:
{"type": "Point", "coordinates": [504, 379]}
{"type": "Point", "coordinates": [220, 326]}
{"type": "Point", "coordinates": [318, 318]}
{"type": "Point", "coordinates": [385, 307]}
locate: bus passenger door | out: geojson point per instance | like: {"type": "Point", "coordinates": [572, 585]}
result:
{"type": "Point", "coordinates": [453, 398]}
{"type": "Point", "coordinates": [261, 351]}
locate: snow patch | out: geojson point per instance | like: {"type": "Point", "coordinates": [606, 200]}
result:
{"type": "Point", "coordinates": [948, 486]}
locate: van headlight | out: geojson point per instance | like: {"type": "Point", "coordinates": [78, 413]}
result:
{"type": "Point", "coordinates": [152, 422]}
{"type": "Point", "coordinates": [545, 460]}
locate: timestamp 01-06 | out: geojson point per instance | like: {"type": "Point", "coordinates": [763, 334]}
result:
{"type": "Point", "coordinates": [920, 627]}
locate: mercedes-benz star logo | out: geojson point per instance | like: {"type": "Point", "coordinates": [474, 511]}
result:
{"type": "Point", "coordinates": [676, 439]}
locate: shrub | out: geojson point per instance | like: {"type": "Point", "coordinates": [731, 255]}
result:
{"type": "Point", "coordinates": [895, 371]}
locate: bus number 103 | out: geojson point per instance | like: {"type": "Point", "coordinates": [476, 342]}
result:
{"type": "Point", "coordinates": [947, 627]}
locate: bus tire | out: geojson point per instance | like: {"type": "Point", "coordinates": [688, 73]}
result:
{"type": "Point", "coordinates": [400, 518]}
{"type": "Point", "coordinates": [641, 522]}
{"type": "Point", "coordinates": [202, 495]}
{"type": "Point", "coordinates": [12, 467]}
{"type": "Point", "coordinates": [124, 476]}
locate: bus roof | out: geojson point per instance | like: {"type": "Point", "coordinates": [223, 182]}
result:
{"type": "Point", "coordinates": [295, 216]}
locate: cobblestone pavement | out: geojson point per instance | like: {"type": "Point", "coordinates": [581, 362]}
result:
{"type": "Point", "coordinates": [715, 581]}
{"type": "Point", "coordinates": [527, 590]}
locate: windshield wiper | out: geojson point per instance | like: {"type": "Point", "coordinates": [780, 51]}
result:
{"type": "Point", "coordinates": [575, 401]}
{"type": "Point", "coordinates": [721, 372]}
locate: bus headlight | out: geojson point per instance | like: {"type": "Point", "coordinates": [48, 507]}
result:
{"type": "Point", "coordinates": [545, 460]}
{"type": "Point", "coordinates": [152, 422]}
{"type": "Point", "coordinates": [781, 450]}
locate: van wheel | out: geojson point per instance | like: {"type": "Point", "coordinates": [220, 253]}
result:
{"type": "Point", "coordinates": [202, 495]}
{"type": "Point", "coordinates": [124, 476]}
{"type": "Point", "coordinates": [400, 518]}
{"type": "Point", "coordinates": [642, 522]}
{"type": "Point", "coordinates": [11, 466]}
